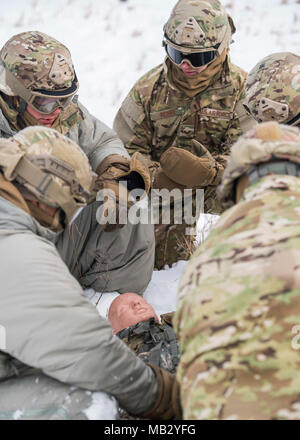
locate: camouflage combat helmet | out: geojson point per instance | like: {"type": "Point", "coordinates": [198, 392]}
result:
{"type": "Point", "coordinates": [273, 89]}
{"type": "Point", "coordinates": [267, 143]}
{"type": "Point", "coordinates": [49, 166]}
{"type": "Point", "coordinates": [35, 66]}
{"type": "Point", "coordinates": [199, 25]}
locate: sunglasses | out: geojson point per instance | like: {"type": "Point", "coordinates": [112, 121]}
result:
{"type": "Point", "coordinates": [196, 59]}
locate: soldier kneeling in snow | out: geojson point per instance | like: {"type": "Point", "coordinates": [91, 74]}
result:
{"type": "Point", "coordinates": [57, 346]}
{"type": "Point", "coordinates": [239, 296]}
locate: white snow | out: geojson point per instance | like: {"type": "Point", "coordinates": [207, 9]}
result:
{"type": "Point", "coordinates": [161, 292]}
{"type": "Point", "coordinates": [113, 43]}
{"type": "Point", "coordinates": [17, 414]}
{"type": "Point", "coordinates": [103, 407]}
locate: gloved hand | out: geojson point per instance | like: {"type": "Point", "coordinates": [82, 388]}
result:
{"type": "Point", "coordinates": [160, 180]}
{"type": "Point", "coordinates": [112, 213]}
{"type": "Point", "coordinates": [114, 170]}
{"type": "Point", "coordinates": [167, 405]}
{"type": "Point", "coordinates": [189, 170]}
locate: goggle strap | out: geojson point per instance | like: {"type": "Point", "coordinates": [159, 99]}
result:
{"type": "Point", "coordinates": [188, 50]}
{"type": "Point", "coordinates": [295, 120]}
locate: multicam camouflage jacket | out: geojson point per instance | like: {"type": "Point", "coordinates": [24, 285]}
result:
{"type": "Point", "coordinates": [153, 342]}
{"type": "Point", "coordinates": [155, 115]}
{"type": "Point", "coordinates": [239, 310]}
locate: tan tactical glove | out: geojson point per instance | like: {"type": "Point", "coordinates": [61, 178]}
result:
{"type": "Point", "coordinates": [167, 405]}
{"type": "Point", "coordinates": [160, 180]}
{"type": "Point", "coordinates": [114, 170]}
{"type": "Point", "coordinates": [185, 168]}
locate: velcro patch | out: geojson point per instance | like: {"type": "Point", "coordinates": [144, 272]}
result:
{"type": "Point", "coordinates": [167, 114]}
{"type": "Point", "coordinates": [132, 112]}
{"type": "Point", "coordinates": [156, 116]}
{"type": "Point", "coordinates": [213, 113]}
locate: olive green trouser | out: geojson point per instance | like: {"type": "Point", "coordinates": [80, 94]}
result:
{"type": "Point", "coordinates": [39, 397]}
{"type": "Point", "coordinates": [121, 260]}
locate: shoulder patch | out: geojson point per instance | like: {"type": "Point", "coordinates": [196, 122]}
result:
{"type": "Point", "coordinates": [132, 112]}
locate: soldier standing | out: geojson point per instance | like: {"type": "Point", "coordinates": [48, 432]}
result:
{"type": "Point", "coordinates": [186, 113]}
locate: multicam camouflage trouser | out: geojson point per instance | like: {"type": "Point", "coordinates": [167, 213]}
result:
{"type": "Point", "coordinates": [172, 245]}
{"type": "Point", "coordinates": [172, 242]}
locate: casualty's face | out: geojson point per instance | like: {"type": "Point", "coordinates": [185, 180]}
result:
{"type": "Point", "coordinates": [129, 309]}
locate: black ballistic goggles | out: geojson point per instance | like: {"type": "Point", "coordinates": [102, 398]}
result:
{"type": "Point", "coordinates": [196, 59]}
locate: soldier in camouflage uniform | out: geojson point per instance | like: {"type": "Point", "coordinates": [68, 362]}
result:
{"type": "Point", "coordinates": [273, 89]}
{"type": "Point", "coordinates": [195, 95]}
{"type": "Point", "coordinates": [38, 86]}
{"type": "Point", "coordinates": [239, 298]}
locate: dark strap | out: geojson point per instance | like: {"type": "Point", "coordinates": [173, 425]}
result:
{"type": "Point", "coordinates": [295, 120]}
{"type": "Point", "coordinates": [22, 108]}
{"type": "Point", "coordinates": [171, 337]}
{"type": "Point", "coordinates": [138, 329]}
{"type": "Point", "coordinates": [283, 167]}
{"type": "Point", "coordinates": [155, 339]}
{"type": "Point", "coordinates": [160, 338]}
{"type": "Point", "coordinates": [154, 354]}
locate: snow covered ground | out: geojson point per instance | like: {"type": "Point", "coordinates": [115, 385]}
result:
{"type": "Point", "coordinates": [113, 43]}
